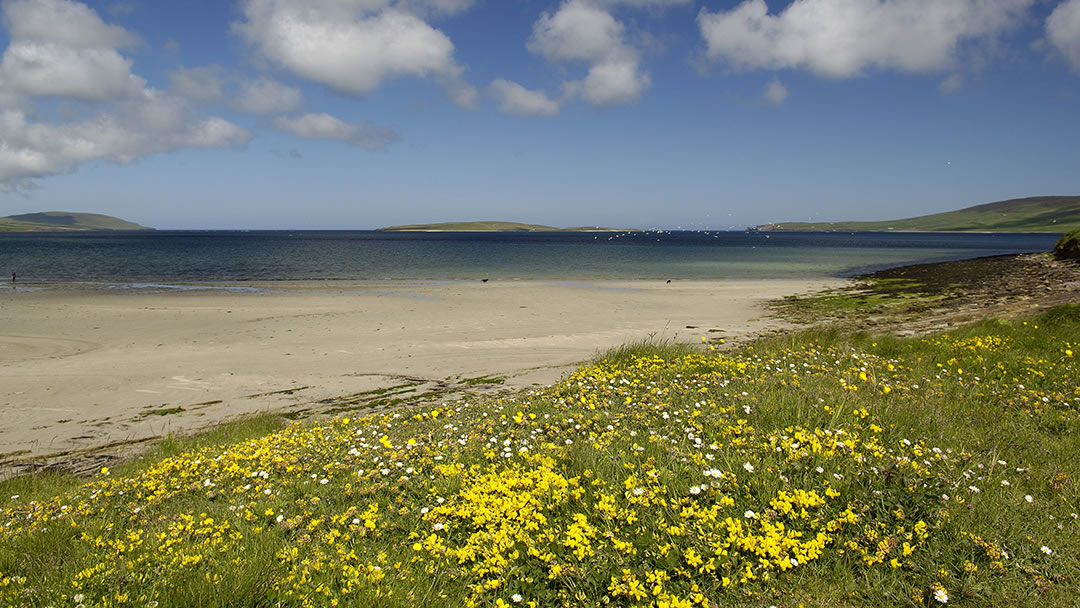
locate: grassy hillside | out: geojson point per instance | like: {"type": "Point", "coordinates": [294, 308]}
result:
{"type": "Point", "coordinates": [1035, 214]}
{"type": "Point", "coordinates": [1068, 246]}
{"type": "Point", "coordinates": [488, 227]}
{"type": "Point", "coordinates": [64, 220]}
{"type": "Point", "coordinates": [818, 470]}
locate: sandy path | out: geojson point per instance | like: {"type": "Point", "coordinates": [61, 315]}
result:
{"type": "Point", "coordinates": [85, 367]}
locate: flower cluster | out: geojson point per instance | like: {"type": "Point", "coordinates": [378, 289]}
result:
{"type": "Point", "coordinates": [655, 479]}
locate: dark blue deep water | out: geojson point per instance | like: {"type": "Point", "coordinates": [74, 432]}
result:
{"type": "Point", "coordinates": [226, 256]}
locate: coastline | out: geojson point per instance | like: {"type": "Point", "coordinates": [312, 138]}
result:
{"type": "Point", "coordinates": [88, 368]}
{"type": "Point", "coordinates": [93, 370]}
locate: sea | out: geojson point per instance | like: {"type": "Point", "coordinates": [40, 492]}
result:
{"type": "Point", "coordinates": [176, 258]}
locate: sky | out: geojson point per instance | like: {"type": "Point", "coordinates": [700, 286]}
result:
{"type": "Point", "coordinates": [699, 114]}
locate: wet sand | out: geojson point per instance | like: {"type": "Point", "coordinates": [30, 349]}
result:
{"type": "Point", "coordinates": [83, 367]}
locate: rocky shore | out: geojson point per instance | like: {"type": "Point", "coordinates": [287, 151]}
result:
{"type": "Point", "coordinates": [924, 298]}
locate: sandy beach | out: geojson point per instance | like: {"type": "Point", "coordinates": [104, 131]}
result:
{"type": "Point", "coordinates": [83, 367]}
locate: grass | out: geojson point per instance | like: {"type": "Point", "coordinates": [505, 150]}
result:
{"type": "Point", "coordinates": [1068, 246]}
{"type": "Point", "coordinates": [64, 220]}
{"type": "Point", "coordinates": [51, 482]}
{"type": "Point", "coordinates": [866, 297]}
{"type": "Point", "coordinates": [646, 347]}
{"type": "Point", "coordinates": [825, 468]}
{"type": "Point", "coordinates": [1035, 214]}
{"type": "Point", "coordinates": [482, 380]}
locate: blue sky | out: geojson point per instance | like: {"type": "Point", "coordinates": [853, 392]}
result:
{"type": "Point", "coordinates": [355, 114]}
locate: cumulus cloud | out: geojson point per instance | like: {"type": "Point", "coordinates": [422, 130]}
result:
{"type": "Point", "coordinates": [30, 150]}
{"type": "Point", "coordinates": [66, 23]}
{"type": "Point", "coordinates": [775, 92]}
{"type": "Point", "coordinates": [62, 49]}
{"type": "Point", "coordinates": [40, 69]}
{"type": "Point", "coordinates": [586, 30]}
{"type": "Point", "coordinates": [1063, 32]}
{"type": "Point", "coordinates": [578, 30]}
{"type": "Point", "coordinates": [613, 82]}
{"type": "Point", "coordinates": [352, 46]}
{"type": "Point", "coordinates": [516, 100]}
{"type": "Point", "coordinates": [264, 96]}
{"type": "Point", "coordinates": [325, 126]}
{"type": "Point", "coordinates": [845, 38]}
{"type": "Point", "coordinates": [200, 84]}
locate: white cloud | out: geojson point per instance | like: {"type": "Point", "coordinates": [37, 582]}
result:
{"type": "Point", "coordinates": [30, 150]}
{"type": "Point", "coordinates": [582, 30]}
{"type": "Point", "coordinates": [49, 69]}
{"type": "Point", "coordinates": [325, 126]}
{"type": "Point", "coordinates": [59, 48]}
{"type": "Point", "coordinates": [212, 132]}
{"type": "Point", "coordinates": [353, 46]}
{"type": "Point", "coordinates": [578, 30]}
{"type": "Point", "coordinates": [614, 81]}
{"type": "Point", "coordinates": [844, 38]}
{"type": "Point", "coordinates": [201, 83]}
{"type": "Point", "coordinates": [516, 100]}
{"type": "Point", "coordinates": [1063, 31]}
{"type": "Point", "coordinates": [62, 48]}
{"type": "Point", "coordinates": [775, 92]}
{"type": "Point", "coordinates": [264, 96]}
{"type": "Point", "coordinates": [71, 24]}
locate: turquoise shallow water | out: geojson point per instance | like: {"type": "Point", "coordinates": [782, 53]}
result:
{"type": "Point", "coordinates": [169, 257]}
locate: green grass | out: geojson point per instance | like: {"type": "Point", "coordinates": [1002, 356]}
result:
{"type": "Point", "coordinates": [51, 482]}
{"type": "Point", "coordinates": [646, 347]}
{"type": "Point", "coordinates": [64, 220]}
{"type": "Point", "coordinates": [852, 304]}
{"type": "Point", "coordinates": [1035, 214]}
{"type": "Point", "coordinates": [482, 380]}
{"type": "Point", "coordinates": [660, 474]}
{"type": "Point", "coordinates": [1068, 246]}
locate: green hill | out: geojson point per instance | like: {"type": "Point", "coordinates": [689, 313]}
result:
{"type": "Point", "coordinates": [1034, 214]}
{"type": "Point", "coordinates": [63, 221]}
{"type": "Point", "coordinates": [490, 227]}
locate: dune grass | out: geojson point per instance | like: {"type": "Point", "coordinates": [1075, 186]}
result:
{"type": "Point", "coordinates": [826, 468]}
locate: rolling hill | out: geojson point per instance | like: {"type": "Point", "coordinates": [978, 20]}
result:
{"type": "Point", "coordinates": [49, 221]}
{"type": "Point", "coordinates": [1034, 214]}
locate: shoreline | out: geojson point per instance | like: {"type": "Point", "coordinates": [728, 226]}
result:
{"type": "Point", "coordinates": [96, 370]}
{"type": "Point", "coordinates": [119, 367]}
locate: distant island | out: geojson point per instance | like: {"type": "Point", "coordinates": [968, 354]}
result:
{"type": "Point", "coordinates": [63, 221]}
{"type": "Point", "coordinates": [496, 227]}
{"type": "Point", "coordinates": [1034, 214]}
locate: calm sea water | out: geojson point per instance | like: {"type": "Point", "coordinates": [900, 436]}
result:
{"type": "Point", "coordinates": [225, 256]}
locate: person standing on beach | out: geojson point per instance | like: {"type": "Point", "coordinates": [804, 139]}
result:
{"type": "Point", "coordinates": [12, 276]}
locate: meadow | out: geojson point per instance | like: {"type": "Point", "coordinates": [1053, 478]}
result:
{"type": "Point", "coordinates": [819, 468]}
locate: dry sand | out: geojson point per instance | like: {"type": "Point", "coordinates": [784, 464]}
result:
{"type": "Point", "coordinates": [86, 367]}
